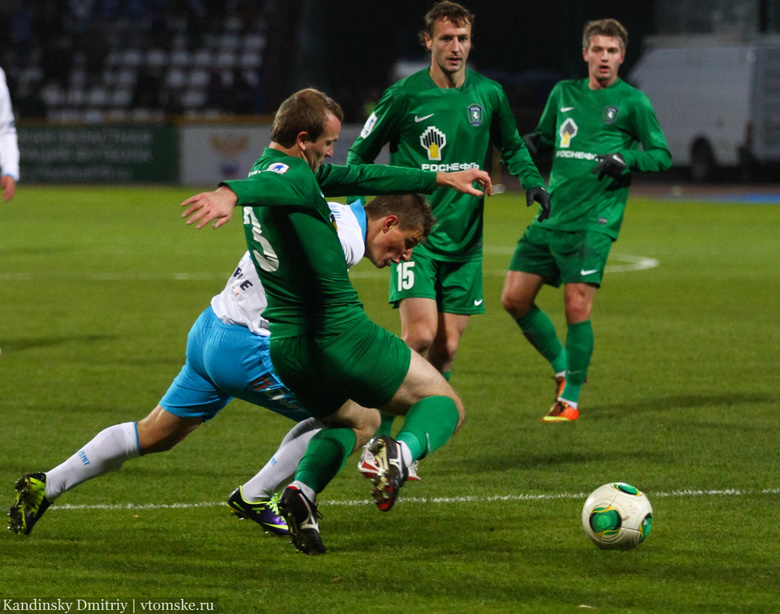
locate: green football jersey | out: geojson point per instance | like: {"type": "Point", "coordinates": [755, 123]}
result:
{"type": "Point", "coordinates": [433, 128]}
{"type": "Point", "coordinates": [291, 234]}
{"type": "Point", "coordinates": [580, 124]}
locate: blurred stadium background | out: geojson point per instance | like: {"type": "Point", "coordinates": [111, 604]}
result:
{"type": "Point", "coordinates": [97, 301]}
{"type": "Point", "coordinates": [105, 90]}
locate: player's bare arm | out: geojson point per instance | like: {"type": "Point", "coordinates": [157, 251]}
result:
{"type": "Point", "coordinates": [463, 181]}
{"type": "Point", "coordinates": [8, 187]}
{"type": "Point", "coordinates": [218, 205]}
{"type": "Point", "coordinates": [207, 206]}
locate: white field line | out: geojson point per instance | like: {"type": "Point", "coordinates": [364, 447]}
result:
{"type": "Point", "coordinates": [730, 492]}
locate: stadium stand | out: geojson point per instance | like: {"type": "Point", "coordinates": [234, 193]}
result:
{"type": "Point", "coordinates": [112, 60]}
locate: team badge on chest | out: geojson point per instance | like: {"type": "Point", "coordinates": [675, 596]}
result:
{"type": "Point", "coordinates": [610, 115]}
{"type": "Point", "coordinates": [476, 115]}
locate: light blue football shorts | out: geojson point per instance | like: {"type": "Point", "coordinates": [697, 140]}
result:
{"type": "Point", "coordinates": [226, 361]}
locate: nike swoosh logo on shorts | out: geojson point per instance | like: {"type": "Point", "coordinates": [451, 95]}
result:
{"type": "Point", "coordinates": [589, 272]}
{"type": "Point", "coordinates": [478, 303]}
{"type": "Point", "coordinates": [419, 119]}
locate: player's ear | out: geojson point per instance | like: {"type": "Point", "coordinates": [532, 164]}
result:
{"type": "Point", "coordinates": [302, 139]}
{"type": "Point", "coordinates": [390, 221]}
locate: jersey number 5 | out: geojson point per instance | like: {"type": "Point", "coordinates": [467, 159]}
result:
{"type": "Point", "coordinates": [405, 275]}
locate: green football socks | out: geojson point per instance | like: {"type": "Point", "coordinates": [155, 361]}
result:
{"type": "Point", "coordinates": [574, 358]}
{"type": "Point", "coordinates": [540, 331]}
{"type": "Point", "coordinates": [429, 424]}
{"type": "Point", "coordinates": [325, 456]}
{"type": "Point", "coordinates": [579, 349]}
{"type": "Point", "coordinates": [386, 426]}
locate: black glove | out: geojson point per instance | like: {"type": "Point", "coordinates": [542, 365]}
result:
{"type": "Point", "coordinates": [532, 141]}
{"type": "Point", "coordinates": [540, 195]}
{"type": "Point", "coordinates": [610, 164]}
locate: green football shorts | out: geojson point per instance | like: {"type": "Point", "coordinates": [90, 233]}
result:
{"type": "Point", "coordinates": [560, 256]}
{"type": "Point", "coordinates": [455, 286]}
{"type": "Point", "coordinates": [361, 361]}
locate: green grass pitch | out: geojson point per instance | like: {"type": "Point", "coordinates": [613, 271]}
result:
{"type": "Point", "coordinates": [99, 287]}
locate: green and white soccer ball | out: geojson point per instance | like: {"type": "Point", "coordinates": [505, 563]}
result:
{"type": "Point", "coordinates": [617, 516]}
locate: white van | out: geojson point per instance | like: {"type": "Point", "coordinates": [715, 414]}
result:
{"type": "Point", "coordinates": [718, 102]}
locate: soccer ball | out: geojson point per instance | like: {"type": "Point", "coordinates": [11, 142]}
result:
{"type": "Point", "coordinates": [617, 516]}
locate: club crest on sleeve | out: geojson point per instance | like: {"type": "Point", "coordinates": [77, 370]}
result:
{"type": "Point", "coordinates": [278, 167]}
{"type": "Point", "coordinates": [369, 125]}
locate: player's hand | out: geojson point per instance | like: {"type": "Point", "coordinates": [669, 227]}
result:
{"type": "Point", "coordinates": [462, 181]}
{"type": "Point", "coordinates": [532, 141]}
{"type": "Point", "coordinates": [610, 164]}
{"type": "Point", "coordinates": [539, 195]}
{"type": "Point", "coordinates": [207, 206]}
{"type": "Point", "coordinates": [8, 186]}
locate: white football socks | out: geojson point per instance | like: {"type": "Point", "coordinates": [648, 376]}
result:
{"type": "Point", "coordinates": [308, 491]}
{"type": "Point", "coordinates": [283, 463]}
{"type": "Point", "coordinates": [107, 452]}
{"type": "Point", "coordinates": [406, 454]}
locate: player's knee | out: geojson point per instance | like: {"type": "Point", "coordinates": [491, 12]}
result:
{"type": "Point", "coordinates": [577, 310]}
{"type": "Point", "coordinates": [442, 355]}
{"type": "Point", "coordinates": [449, 347]}
{"type": "Point", "coordinates": [515, 305]}
{"type": "Point", "coordinates": [419, 339]}
{"type": "Point", "coordinates": [578, 302]}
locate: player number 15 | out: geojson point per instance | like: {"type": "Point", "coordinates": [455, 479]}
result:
{"type": "Point", "coordinates": [405, 275]}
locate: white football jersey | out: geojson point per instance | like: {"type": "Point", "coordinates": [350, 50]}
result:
{"type": "Point", "coordinates": [243, 300]}
{"type": "Point", "coordinates": [9, 149]}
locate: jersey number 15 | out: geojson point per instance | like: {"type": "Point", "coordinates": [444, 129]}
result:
{"type": "Point", "coordinates": [405, 275]}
